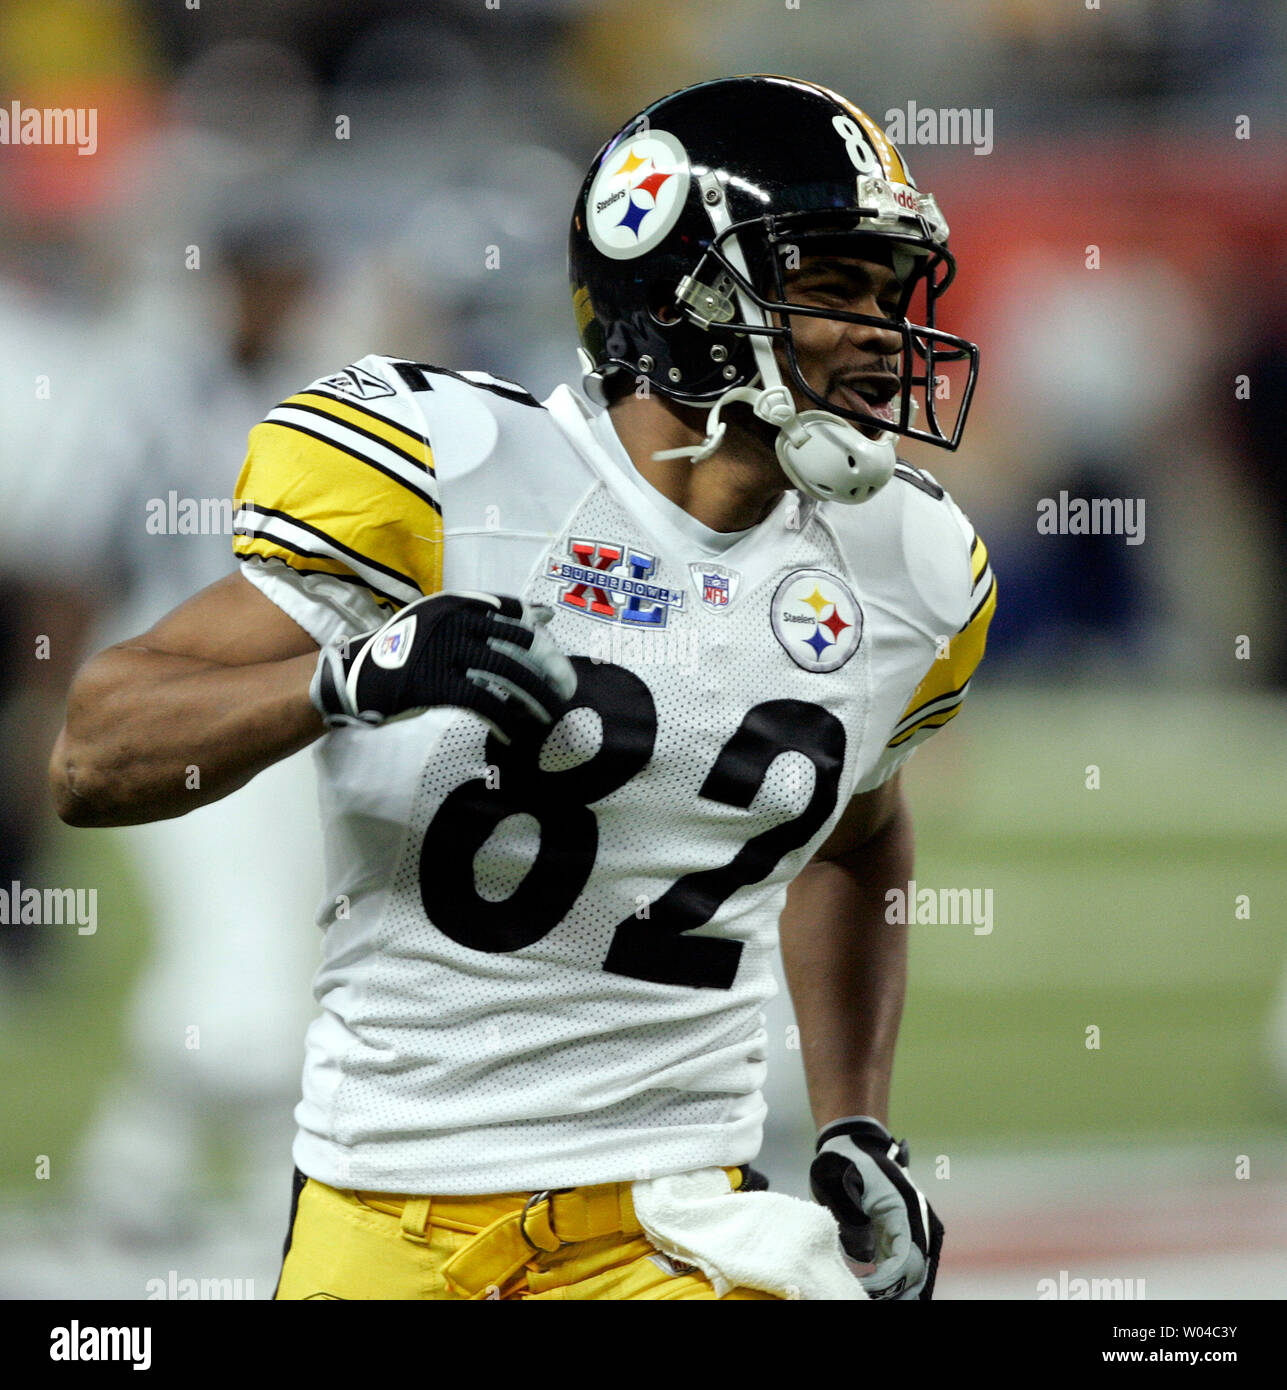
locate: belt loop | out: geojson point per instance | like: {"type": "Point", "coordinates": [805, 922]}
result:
{"type": "Point", "coordinates": [626, 1206]}
{"type": "Point", "coordinates": [536, 1221]}
{"type": "Point", "coordinates": [415, 1220]}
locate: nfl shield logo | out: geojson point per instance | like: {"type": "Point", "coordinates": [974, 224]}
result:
{"type": "Point", "coordinates": [715, 584]}
{"type": "Point", "coordinates": [715, 590]}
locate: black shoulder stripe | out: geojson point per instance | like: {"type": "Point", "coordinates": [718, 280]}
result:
{"type": "Point", "coordinates": [412, 375]}
{"type": "Point", "coordinates": [978, 606]}
{"type": "Point", "coordinates": [905, 471]}
{"type": "Point", "coordinates": [326, 574]}
{"type": "Point", "coordinates": [416, 375]}
{"type": "Point", "coordinates": [339, 547]}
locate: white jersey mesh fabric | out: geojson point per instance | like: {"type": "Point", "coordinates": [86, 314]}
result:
{"type": "Point", "coordinates": [548, 968]}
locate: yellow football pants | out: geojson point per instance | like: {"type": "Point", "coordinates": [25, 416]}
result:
{"type": "Point", "coordinates": [582, 1244]}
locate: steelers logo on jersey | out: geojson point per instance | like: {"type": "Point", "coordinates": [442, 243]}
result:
{"type": "Point", "coordinates": [816, 619]}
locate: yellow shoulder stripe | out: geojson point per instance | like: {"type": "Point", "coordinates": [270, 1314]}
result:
{"type": "Point", "coordinates": [415, 446]}
{"type": "Point", "coordinates": [310, 501]}
{"type": "Point", "coordinates": [939, 695]}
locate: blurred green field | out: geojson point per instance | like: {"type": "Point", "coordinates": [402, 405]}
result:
{"type": "Point", "coordinates": [1112, 907]}
{"type": "Point", "coordinates": [61, 1030]}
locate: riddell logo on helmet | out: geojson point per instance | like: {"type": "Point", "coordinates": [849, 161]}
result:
{"type": "Point", "coordinates": [904, 197]}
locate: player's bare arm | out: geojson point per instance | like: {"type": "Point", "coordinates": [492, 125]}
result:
{"type": "Point", "coordinates": [846, 966]}
{"type": "Point", "coordinates": [220, 685]}
{"type": "Point", "coordinates": [846, 969]}
{"type": "Point", "coordinates": [228, 684]}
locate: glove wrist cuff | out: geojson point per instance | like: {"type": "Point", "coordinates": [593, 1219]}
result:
{"type": "Point", "coordinates": [327, 690]}
{"type": "Point", "coordinates": [854, 1127]}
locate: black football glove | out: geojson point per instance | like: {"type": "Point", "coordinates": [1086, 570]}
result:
{"type": "Point", "coordinates": [481, 652]}
{"type": "Point", "coordinates": [860, 1176]}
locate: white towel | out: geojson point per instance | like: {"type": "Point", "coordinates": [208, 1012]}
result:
{"type": "Point", "coordinates": [757, 1240]}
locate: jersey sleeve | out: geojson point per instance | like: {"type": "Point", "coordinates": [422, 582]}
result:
{"type": "Point", "coordinates": [939, 696]}
{"type": "Point", "coordinates": [338, 513]}
{"type": "Point", "coordinates": [941, 692]}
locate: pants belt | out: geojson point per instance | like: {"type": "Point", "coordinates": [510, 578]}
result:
{"type": "Point", "coordinates": [526, 1226]}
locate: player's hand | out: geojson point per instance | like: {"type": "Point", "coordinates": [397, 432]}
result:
{"type": "Point", "coordinates": [860, 1176]}
{"type": "Point", "coordinates": [481, 652]}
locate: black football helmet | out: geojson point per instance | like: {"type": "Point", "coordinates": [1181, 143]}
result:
{"type": "Point", "coordinates": [681, 238]}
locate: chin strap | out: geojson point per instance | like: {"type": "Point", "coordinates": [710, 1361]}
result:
{"type": "Point", "coordinates": [823, 455]}
{"type": "Point", "coordinates": [715, 427]}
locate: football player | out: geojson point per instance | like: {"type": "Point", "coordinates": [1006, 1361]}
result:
{"type": "Point", "coordinates": [604, 696]}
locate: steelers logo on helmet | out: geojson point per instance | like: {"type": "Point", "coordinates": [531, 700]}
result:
{"type": "Point", "coordinates": [816, 619]}
{"type": "Point", "coordinates": [637, 195]}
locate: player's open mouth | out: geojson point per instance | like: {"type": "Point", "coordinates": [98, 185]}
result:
{"type": "Point", "coordinates": [870, 394]}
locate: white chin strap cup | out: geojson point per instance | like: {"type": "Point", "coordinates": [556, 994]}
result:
{"type": "Point", "coordinates": [826, 456]}
{"type": "Point", "coordinates": [823, 455]}
{"type": "Point", "coordinates": [829, 458]}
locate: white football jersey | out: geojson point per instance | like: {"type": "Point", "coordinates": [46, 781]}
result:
{"type": "Point", "coordinates": [546, 967]}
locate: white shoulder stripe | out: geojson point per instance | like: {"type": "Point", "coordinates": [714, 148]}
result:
{"type": "Point", "coordinates": [943, 703]}
{"type": "Point", "coordinates": [375, 451]}
{"type": "Point", "coordinates": [308, 541]}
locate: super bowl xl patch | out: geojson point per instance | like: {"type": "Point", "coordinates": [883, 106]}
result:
{"type": "Point", "coordinates": [816, 619]}
{"type": "Point", "coordinates": [610, 582]}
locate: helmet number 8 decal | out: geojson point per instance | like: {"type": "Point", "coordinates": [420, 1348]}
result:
{"type": "Point", "coordinates": [656, 948]}
{"type": "Point", "coordinates": [857, 146]}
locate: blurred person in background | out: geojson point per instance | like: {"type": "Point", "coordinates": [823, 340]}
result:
{"type": "Point", "coordinates": [129, 511]}
{"type": "Point", "coordinates": [45, 345]}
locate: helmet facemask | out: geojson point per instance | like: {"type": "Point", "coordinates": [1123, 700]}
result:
{"type": "Point", "coordinates": [937, 369]}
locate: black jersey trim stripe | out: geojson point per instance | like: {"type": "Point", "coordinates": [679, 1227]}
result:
{"type": "Point", "coordinates": [926, 707]}
{"type": "Point", "coordinates": [934, 721]}
{"type": "Point", "coordinates": [978, 608]}
{"type": "Point", "coordinates": [348, 425]}
{"type": "Point", "coordinates": [908, 474]}
{"type": "Point", "coordinates": [300, 569]}
{"type": "Point", "coordinates": [513, 393]}
{"type": "Point", "coordinates": [425, 465]}
{"type": "Point", "coordinates": [979, 562]}
{"type": "Point", "coordinates": [414, 379]}
{"type": "Point", "coordinates": [316, 555]}
{"type": "Point", "coordinates": [321, 535]}
{"type": "Point", "coordinates": [504, 382]}
{"type": "Point", "coordinates": [353, 453]}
